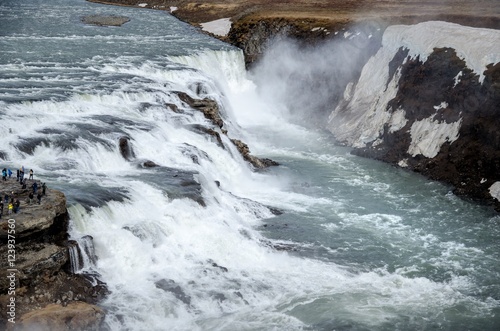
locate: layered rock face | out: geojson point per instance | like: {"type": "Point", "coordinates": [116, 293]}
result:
{"type": "Point", "coordinates": [429, 101]}
{"type": "Point", "coordinates": [35, 268]}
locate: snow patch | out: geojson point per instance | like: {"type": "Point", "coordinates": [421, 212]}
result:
{"type": "Point", "coordinates": [348, 91]}
{"type": "Point", "coordinates": [142, 4]}
{"type": "Point", "coordinates": [360, 119]}
{"type": "Point", "coordinates": [367, 109]}
{"type": "Point", "coordinates": [442, 105]}
{"type": "Point", "coordinates": [428, 135]}
{"type": "Point", "coordinates": [495, 190]}
{"type": "Point", "coordinates": [172, 9]}
{"type": "Point", "coordinates": [218, 27]}
{"type": "Point", "coordinates": [398, 120]}
{"type": "Point", "coordinates": [483, 180]}
{"type": "Point", "coordinates": [403, 163]}
{"type": "Point", "coordinates": [458, 78]}
{"type": "Point", "coordinates": [476, 46]}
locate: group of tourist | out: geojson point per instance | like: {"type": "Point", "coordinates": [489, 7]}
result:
{"type": "Point", "coordinates": [12, 202]}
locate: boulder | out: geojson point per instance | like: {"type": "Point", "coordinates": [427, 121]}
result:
{"type": "Point", "coordinates": [207, 106]}
{"type": "Point", "coordinates": [75, 316]}
{"type": "Point", "coordinates": [104, 20]}
{"type": "Point", "coordinates": [255, 161]}
{"type": "Point", "coordinates": [125, 149]}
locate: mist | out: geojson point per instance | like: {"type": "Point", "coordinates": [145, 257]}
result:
{"type": "Point", "coordinates": [310, 80]}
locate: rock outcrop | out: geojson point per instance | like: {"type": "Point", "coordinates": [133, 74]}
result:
{"type": "Point", "coordinates": [35, 270]}
{"type": "Point", "coordinates": [210, 110]}
{"type": "Point", "coordinates": [255, 22]}
{"type": "Point", "coordinates": [434, 112]}
{"type": "Point", "coordinates": [259, 163]}
{"type": "Point", "coordinates": [54, 317]}
{"type": "Point", "coordinates": [102, 20]}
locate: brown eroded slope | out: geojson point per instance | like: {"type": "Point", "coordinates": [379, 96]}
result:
{"type": "Point", "coordinates": [479, 13]}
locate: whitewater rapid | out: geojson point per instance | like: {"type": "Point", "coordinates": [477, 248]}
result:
{"type": "Point", "coordinates": [196, 243]}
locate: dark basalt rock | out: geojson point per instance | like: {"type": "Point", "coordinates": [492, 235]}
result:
{"type": "Point", "coordinates": [255, 161]}
{"type": "Point", "coordinates": [149, 164]}
{"type": "Point", "coordinates": [168, 285]}
{"type": "Point", "coordinates": [104, 20]}
{"type": "Point", "coordinates": [471, 163]}
{"type": "Point", "coordinates": [207, 106]}
{"type": "Point", "coordinates": [173, 107]}
{"type": "Point", "coordinates": [42, 262]}
{"type": "Point", "coordinates": [125, 149]}
{"type": "Point", "coordinates": [214, 134]}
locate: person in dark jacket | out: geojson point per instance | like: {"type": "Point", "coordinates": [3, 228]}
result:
{"type": "Point", "coordinates": [17, 204]}
{"type": "Point", "coordinates": [39, 197]}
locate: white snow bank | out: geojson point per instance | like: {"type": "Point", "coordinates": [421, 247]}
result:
{"type": "Point", "coordinates": [360, 119]}
{"type": "Point", "coordinates": [495, 190]}
{"type": "Point", "coordinates": [428, 135]}
{"type": "Point", "coordinates": [477, 47]}
{"type": "Point", "coordinates": [218, 27]}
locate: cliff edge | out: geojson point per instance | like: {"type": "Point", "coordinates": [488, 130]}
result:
{"type": "Point", "coordinates": [37, 288]}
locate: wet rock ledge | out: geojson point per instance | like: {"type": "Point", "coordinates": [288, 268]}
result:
{"type": "Point", "coordinates": [36, 284]}
{"type": "Point", "coordinates": [102, 20]}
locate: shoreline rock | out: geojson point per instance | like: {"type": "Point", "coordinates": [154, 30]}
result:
{"type": "Point", "coordinates": [36, 268]}
{"type": "Point", "coordinates": [254, 22]}
{"type": "Point", "coordinates": [432, 115]}
{"type": "Point", "coordinates": [103, 20]}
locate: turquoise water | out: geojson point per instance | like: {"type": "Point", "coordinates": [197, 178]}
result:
{"type": "Point", "coordinates": [360, 245]}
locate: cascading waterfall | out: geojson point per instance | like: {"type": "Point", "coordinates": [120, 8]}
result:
{"type": "Point", "coordinates": [82, 254]}
{"type": "Point", "coordinates": [202, 241]}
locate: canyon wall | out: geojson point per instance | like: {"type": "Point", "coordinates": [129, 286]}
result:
{"type": "Point", "coordinates": [429, 101]}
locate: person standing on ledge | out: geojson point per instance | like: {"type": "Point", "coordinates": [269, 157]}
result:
{"type": "Point", "coordinates": [31, 174]}
{"type": "Point", "coordinates": [17, 204]}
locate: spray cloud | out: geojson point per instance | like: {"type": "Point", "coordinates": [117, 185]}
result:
{"type": "Point", "coordinates": [310, 80]}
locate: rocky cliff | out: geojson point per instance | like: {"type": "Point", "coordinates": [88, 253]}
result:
{"type": "Point", "coordinates": [256, 22]}
{"type": "Point", "coordinates": [429, 101]}
{"type": "Point", "coordinates": [35, 268]}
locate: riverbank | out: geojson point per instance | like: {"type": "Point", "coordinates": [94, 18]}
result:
{"type": "Point", "coordinates": [256, 21]}
{"type": "Point", "coordinates": [36, 283]}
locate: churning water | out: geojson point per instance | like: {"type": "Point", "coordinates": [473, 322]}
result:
{"type": "Point", "coordinates": [360, 245]}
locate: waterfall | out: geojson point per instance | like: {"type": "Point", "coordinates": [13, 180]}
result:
{"type": "Point", "coordinates": [81, 254]}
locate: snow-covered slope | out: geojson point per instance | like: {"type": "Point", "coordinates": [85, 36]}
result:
{"type": "Point", "coordinates": [432, 90]}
